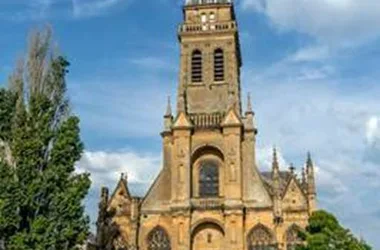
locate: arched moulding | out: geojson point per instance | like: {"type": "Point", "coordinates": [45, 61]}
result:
{"type": "Point", "coordinates": [261, 238]}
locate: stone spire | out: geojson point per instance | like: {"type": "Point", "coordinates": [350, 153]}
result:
{"type": "Point", "coordinates": [275, 165]}
{"type": "Point", "coordinates": [276, 188]}
{"type": "Point", "coordinates": [311, 190]}
{"type": "Point", "coordinates": [310, 175]}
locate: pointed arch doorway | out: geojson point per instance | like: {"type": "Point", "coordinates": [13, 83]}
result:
{"type": "Point", "coordinates": [207, 236]}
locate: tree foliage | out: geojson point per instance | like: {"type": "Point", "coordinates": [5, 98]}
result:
{"type": "Point", "coordinates": [41, 195]}
{"type": "Point", "coordinates": [325, 233]}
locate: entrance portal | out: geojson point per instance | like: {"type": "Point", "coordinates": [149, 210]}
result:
{"type": "Point", "coordinates": [207, 236]}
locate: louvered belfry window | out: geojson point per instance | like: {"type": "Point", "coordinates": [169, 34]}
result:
{"type": "Point", "coordinates": [218, 65]}
{"type": "Point", "coordinates": [196, 67]}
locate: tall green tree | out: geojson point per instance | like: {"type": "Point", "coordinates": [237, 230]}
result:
{"type": "Point", "coordinates": [41, 195]}
{"type": "Point", "coordinates": [324, 232]}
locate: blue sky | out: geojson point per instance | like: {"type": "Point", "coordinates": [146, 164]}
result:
{"type": "Point", "coordinates": [311, 67]}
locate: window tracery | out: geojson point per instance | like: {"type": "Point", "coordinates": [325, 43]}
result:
{"type": "Point", "coordinates": [158, 239]}
{"type": "Point", "coordinates": [260, 238]}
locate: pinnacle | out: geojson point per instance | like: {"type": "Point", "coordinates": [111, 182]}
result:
{"type": "Point", "coordinates": [168, 112]}
{"type": "Point", "coordinates": [249, 104]}
{"type": "Point", "coordinates": [309, 162]}
{"type": "Point", "coordinates": [275, 165]}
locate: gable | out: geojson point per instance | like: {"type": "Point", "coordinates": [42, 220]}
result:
{"type": "Point", "coordinates": [231, 119]}
{"type": "Point", "coordinates": [182, 121]}
{"type": "Point", "coordinates": [294, 198]}
{"type": "Point", "coordinates": [120, 199]}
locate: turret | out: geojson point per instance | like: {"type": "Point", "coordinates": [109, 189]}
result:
{"type": "Point", "coordinates": [311, 190]}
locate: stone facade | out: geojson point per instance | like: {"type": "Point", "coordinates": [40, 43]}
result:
{"type": "Point", "coordinates": [210, 193]}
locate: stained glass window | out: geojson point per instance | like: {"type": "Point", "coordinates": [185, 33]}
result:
{"type": "Point", "coordinates": [158, 239]}
{"type": "Point", "coordinates": [208, 180]}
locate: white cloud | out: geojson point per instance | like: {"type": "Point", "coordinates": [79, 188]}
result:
{"type": "Point", "coordinates": [106, 167]}
{"type": "Point", "coordinates": [86, 8]}
{"type": "Point", "coordinates": [335, 118]}
{"type": "Point", "coordinates": [311, 53]}
{"type": "Point", "coordinates": [337, 22]}
{"type": "Point", "coordinates": [373, 129]}
{"type": "Point", "coordinates": [265, 158]}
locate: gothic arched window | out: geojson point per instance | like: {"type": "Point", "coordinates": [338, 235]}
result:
{"type": "Point", "coordinates": [260, 238]}
{"type": "Point", "coordinates": [218, 65]}
{"type": "Point", "coordinates": [196, 66]}
{"type": "Point", "coordinates": [293, 239]}
{"type": "Point", "coordinates": [208, 180]}
{"type": "Point", "coordinates": [120, 244]}
{"type": "Point", "coordinates": [158, 239]}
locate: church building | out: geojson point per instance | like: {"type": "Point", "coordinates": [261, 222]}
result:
{"type": "Point", "coordinates": [210, 193]}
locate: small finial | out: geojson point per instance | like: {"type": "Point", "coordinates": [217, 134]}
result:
{"type": "Point", "coordinates": [292, 168]}
{"type": "Point", "coordinates": [168, 108]}
{"type": "Point", "coordinates": [124, 176]}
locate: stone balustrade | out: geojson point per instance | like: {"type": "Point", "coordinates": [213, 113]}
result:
{"type": "Point", "coordinates": [207, 27]}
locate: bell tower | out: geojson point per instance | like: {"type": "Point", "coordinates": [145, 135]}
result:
{"type": "Point", "coordinates": [210, 193]}
{"type": "Point", "coordinates": [210, 64]}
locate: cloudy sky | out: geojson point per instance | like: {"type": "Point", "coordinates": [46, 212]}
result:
{"type": "Point", "coordinates": [312, 68]}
